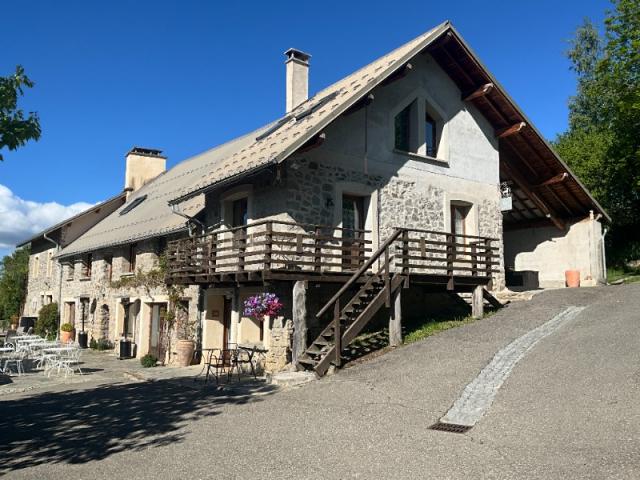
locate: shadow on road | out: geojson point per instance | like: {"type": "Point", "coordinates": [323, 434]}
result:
{"type": "Point", "coordinates": [82, 425]}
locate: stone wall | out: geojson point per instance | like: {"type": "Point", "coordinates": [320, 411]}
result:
{"type": "Point", "coordinates": [279, 354]}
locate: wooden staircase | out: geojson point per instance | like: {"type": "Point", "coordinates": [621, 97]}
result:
{"type": "Point", "coordinates": [348, 321]}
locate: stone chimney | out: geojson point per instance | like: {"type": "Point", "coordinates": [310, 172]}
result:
{"type": "Point", "coordinates": [297, 77]}
{"type": "Point", "coordinates": [143, 165]}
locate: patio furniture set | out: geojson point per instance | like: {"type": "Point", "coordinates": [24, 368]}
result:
{"type": "Point", "coordinates": [223, 362]}
{"type": "Point", "coordinates": [21, 352]}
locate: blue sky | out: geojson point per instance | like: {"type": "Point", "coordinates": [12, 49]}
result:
{"type": "Point", "coordinates": [184, 76]}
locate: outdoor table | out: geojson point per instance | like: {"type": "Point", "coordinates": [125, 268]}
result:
{"type": "Point", "coordinates": [251, 350]}
{"type": "Point", "coordinates": [58, 349]}
{"type": "Point", "coordinates": [6, 349]}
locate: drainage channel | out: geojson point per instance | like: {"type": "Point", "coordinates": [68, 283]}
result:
{"type": "Point", "coordinates": [478, 395]}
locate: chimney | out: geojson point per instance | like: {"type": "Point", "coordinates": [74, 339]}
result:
{"type": "Point", "coordinates": [297, 77]}
{"type": "Point", "coordinates": [143, 165]}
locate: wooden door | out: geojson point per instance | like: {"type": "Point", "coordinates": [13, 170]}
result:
{"type": "Point", "coordinates": [226, 323]}
{"type": "Point", "coordinates": [353, 221]}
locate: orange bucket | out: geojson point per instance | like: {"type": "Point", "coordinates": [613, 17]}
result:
{"type": "Point", "coordinates": [572, 278]}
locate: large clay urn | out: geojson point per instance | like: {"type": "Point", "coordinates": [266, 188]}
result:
{"type": "Point", "coordinates": [67, 337]}
{"type": "Point", "coordinates": [184, 350]}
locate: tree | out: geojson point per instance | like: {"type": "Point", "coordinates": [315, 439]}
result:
{"type": "Point", "coordinates": [602, 143]}
{"type": "Point", "coordinates": [15, 129]}
{"type": "Point", "coordinates": [14, 269]}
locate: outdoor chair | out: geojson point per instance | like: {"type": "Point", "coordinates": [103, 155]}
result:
{"type": "Point", "coordinates": [70, 362]}
{"type": "Point", "coordinates": [14, 358]}
{"type": "Point", "coordinates": [221, 362]}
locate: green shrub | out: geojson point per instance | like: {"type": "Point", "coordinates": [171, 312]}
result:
{"type": "Point", "coordinates": [100, 344]}
{"type": "Point", "coordinates": [47, 322]}
{"type": "Point", "coordinates": [148, 361]}
{"type": "Point", "coordinates": [66, 327]}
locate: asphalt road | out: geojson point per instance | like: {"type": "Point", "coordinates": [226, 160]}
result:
{"type": "Point", "coordinates": [569, 409]}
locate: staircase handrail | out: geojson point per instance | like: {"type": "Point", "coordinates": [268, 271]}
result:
{"type": "Point", "coordinates": [363, 269]}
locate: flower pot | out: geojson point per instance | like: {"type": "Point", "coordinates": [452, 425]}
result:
{"type": "Point", "coordinates": [572, 278]}
{"type": "Point", "coordinates": [185, 349]}
{"type": "Point", "coordinates": [66, 337]}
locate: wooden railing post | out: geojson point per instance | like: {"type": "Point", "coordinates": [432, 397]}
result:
{"type": "Point", "coordinates": [387, 278]}
{"type": "Point", "coordinates": [268, 239]}
{"type": "Point", "coordinates": [317, 250]}
{"type": "Point", "coordinates": [487, 257]}
{"type": "Point", "coordinates": [242, 246]}
{"type": "Point", "coordinates": [474, 259]}
{"type": "Point", "coordinates": [405, 251]}
{"type": "Point", "coordinates": [337, 333]}
{"type": "Point", "coordinates": [213, 253]}
{"type": "Point", "coordinates": [450, 256]}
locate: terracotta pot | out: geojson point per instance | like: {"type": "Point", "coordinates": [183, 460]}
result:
{"type": "Point", "coordinates": [572, 278]}
{"type": "Point", "coordinates": [185, 349]}
{"type": "Point", "coordinates": [66, 337]}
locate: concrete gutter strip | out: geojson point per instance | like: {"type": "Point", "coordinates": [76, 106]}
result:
{"type": "Point", "coordinates": [478, 396]}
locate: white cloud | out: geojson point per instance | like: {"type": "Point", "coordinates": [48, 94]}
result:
{"type": "Point", "coordinates": [21, 219]}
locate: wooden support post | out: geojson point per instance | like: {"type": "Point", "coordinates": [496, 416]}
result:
{"type": "Point", "coordinates": [477, 302]}
{"type": "Point", "coordinates": [450, 256]}
{"type": "Point", "coordinates": [299, 311]}
{"type": "Point", "coordinates": [395, 320]}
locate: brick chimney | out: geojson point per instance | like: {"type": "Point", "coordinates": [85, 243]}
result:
{"type": "Point", "coordinates": [297, 77]}
{"type": "Point", "coordinates": [143, 165]}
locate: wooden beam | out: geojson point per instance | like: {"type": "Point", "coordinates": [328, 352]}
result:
{"type": "Point", "coordinates": [512, 130]}
{"type": "Point", "coordinates": [480, 92]}
{"type": "Point", "coordinates": [561, 177]}
{"type": "Point", "coordinates": [367, 100]}
{"type": "Point", "coordinates": [526, 189]}
{"type": "Point", "coordinates": [315, 142]}
{"type": "Point", "coordinates": [398, 74]}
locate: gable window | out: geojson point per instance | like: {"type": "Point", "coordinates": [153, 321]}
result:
{"type": "Point", "coordinates": [403, 130]}
{"type": "Point", "coordinates": [431, 135]}
{"type": "Point", "coordinates": [418, 129]}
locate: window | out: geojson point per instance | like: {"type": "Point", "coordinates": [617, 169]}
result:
{"type": "Point", "coordinates": [70, 270]}
{"type": "Point", "coordinates": [240, 213]}
{"type": "Point", "coordinates": [36, 266]}
{"type": "Point", "coordinates": [49, 299]}
{"type": "Point", "coordinates": [430, 136]}
{"type": "Point", "coordinates": [86, 266]}
{"type": "Point", "coordinates": [130, 259]}
{"type": "Point", "coordinates": [49, 263]}
{"type": "Point", "coordinates": [134, 203]}
{"type": "Point", "coordinates": [403, 130]}
{"type": "Point", "coordinates": [418, 129]}
{"type": "Point", "coordinates": [108, 261]}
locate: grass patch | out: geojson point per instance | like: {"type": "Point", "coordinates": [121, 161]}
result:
{"type": "Point", "coordinates": [626, 274]}
{"type": "Point", "coordinates": [433, 326]}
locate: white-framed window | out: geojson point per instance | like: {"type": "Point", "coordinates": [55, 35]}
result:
{"type": "Point", "coordinates": [419, 128]}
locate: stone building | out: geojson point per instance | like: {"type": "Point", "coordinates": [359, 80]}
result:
{"type": "Point", "coordinates": [417, 172]}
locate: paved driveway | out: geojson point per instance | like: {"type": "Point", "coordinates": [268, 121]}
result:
{"type": "Point", "coordinates": [569, 409]}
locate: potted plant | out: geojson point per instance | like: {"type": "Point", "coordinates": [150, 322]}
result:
{"type": "Point", "coordinates": [185, 346]}
{"type": "Point", "coordinates": [67, 333]}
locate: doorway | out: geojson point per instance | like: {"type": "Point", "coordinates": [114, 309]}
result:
{"type": "Point", "coordinates": [353, 223]}
{"type": "Point", "coordinates": [70, 315]}
{"type": "Point", "coordinates": [226, 322]}
{"type": "Point", "coordinates": [157, 326]}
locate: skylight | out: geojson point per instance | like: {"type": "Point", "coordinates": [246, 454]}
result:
{"type": "Point", "coordinates": [135, 202]}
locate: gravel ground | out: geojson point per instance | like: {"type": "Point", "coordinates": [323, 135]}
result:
{"type": "Point", "coordinates": [569, 409]}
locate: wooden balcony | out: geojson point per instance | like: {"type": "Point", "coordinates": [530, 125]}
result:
{"type": "Point", "coordinates": [279, 250]}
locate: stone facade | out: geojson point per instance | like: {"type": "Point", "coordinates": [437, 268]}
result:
{"type": "Point", "coordinates": [279, 354]}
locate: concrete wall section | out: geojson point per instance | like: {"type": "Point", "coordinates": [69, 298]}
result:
{"type": "Point", "coordinates": [551, 252]}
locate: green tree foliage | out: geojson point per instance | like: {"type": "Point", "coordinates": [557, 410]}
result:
{"type": "Point", "coordinates": [15, 129]}
{"type": "Point", "coordinates": [47, 322]}
{"type": "Point", "coordinates": [602, 144]}
{"type": "Point", "coordinates": [13, 283]}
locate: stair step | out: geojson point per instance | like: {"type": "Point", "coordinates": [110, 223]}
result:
{"type": "Point", "coordinates": [313, 350]}
{"type": "Point", "coordinates": [307, 361]}
{"type": "Point", "coordinates": [322, 341]}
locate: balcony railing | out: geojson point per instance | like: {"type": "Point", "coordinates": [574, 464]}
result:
{"type": "Point", "coordinates": [253, 251]}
